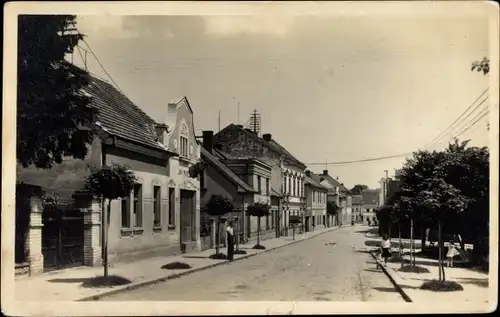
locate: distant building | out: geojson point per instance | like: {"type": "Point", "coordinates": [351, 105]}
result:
{"type": "Point", "coordinates": [370, 203]}
{"type": "Point", "coordinates": [316, 196]}
{"type": "Point", "coordinates": [287, 172]}
{"type": "Point", "coordinates": [244, 181]}
{"type": "Point", "coordinates": [357, 206]}
{"type": "Point", "coordinates": [338, 194]}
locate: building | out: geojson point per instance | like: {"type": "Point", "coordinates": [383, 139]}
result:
{"type": "Point", "coordinates": [370, 203]}
{"type": "Point", "coordinates": [287, 172]}
{"type": "Point", "coordinates": [338, 194]}
{"type": "Point", "coordinates": [316, 196]}
{"type": "Point", "coordinates": [357, 204]}
{"type": "Point", "coordinates": [244, 181]}
{"type": "Point", "coordinates": [161, 215]}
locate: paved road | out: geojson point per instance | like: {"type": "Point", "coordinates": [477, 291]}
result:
{"type": "Point", "coordinates": [329, 267]}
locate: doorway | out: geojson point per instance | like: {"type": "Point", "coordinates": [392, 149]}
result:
{"type": "Point", "coordinates": [187, 218]}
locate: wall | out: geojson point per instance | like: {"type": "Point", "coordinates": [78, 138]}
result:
{"type": "Point", "coordinates": [217, 184]}
{"type": "Point", "coordinates": [65, 178]}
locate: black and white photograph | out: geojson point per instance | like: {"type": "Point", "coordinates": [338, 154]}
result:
{"type": "Point", "coordinates": [229, 158]}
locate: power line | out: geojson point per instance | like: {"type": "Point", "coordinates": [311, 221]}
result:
{"type": "Point", "coordinates": [440, 135]}
{"type": "Point", "coordinates": [443, 137]}
{"type": "Point", "coordinates": [102, 66]}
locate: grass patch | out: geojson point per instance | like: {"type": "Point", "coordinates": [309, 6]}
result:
{"type": "Point", "coordinates": [240, 252]}
{"type": "Point", "coordinates": [218, 256]}
{"type": "Point", "coordinates": [105, 281]}
{"type": "Point", "coordinates": [259, 247]}
{"type": "Point", "coordinates": [414, 269]}
{"type": "Point", "coordinates": [441, 286]}
{"type": "Point", "coordinates": [176, 266]}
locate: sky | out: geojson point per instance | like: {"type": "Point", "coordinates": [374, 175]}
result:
{"type": "Point", "coordinates": [328, 88]}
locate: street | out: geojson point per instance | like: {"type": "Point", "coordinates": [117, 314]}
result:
{"type": "Point", "coordinates": [329, 267]}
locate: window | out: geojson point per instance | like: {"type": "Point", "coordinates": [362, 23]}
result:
{"type": "Point", "coordinates": [267, 187]}
{"type": "Point", "coordinates": [171, 207]}
{"type": "Point", "coordinates": [272, 218]}
{"type": "Point", "coordinates": [138, 205]}
{"type": "Point", "coordinates": [294, 187]}
{"type": "Point", "coordinates": [125, 204]}
{"type": "Point", "coordinates": [259, 187]}
{"type": "Point", "coordinates": [157, 206]}
{"type": "Point", "coordinates": [289, 185]}
{"type": "Point", "coordinates": [184, 146]}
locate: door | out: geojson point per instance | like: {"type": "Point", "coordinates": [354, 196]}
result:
{"type": "Point", "coordinates": [62, 238]}
{"type": "Point", "coordinates": [187, 214]}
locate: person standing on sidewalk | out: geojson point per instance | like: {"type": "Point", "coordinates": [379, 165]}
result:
{"type": "Point", "coordinates": [230, 241]}
{"type": "Point", "coordinates": [386, 248]}
{"type": "Point", "coordinates": [452, 252]}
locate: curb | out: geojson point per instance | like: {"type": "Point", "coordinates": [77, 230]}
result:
{"type": "Point", "coordinates": [177, 275]}
{"type": "Point", "coordinates": [392, 279]}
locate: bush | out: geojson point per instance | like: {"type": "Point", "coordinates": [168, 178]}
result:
{"type": "Point", "coordinates": [218, 256]}
{"type": "Point", "coordinates": [105, 281]}
{"type": "Point", "coordinates": [414, 269]}
{"type": "Point", "coordinates": [259, 247]}
{"type": "Point", "coordinates": [441, 286]}
{"type": "Point", "coordinates": [176, 266]}
{"type": "Point", "coordinates": [240, 252]}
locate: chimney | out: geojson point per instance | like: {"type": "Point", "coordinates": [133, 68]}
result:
{"type": "Point", "coordinates": [308, 173]}
{"type": "Point", "coordinates": [325, 172]}
{"type": "Point", "coordinates": [208, 140]}
{"type": "Point", "coordinates": [321, 179]}
{"type": "Point", "coordinates": [337, 178]}
{"type": "Point", "coordinates": [267, 137]}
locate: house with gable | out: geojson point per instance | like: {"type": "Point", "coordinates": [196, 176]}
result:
{"type": "Point", "coordinates": [287, 172]}
{"type": "Point", "coordinates": [338, 194]}
{"type": "Point", "coordinates": [316, 196]}
{"type": "Point", "coordinates": [244, 180]}
{"type": "Point", "coordinates": [370, 203]}
{"type": "Point", "coordinates": [161, 215]}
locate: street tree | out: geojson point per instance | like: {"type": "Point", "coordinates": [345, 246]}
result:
{"type": "Point", "coordinates": [358, 189]}
{"type": "Point", "coordinates": [53, 114]}
{"type": "Point", "coordinates": [218, 206]}
{"type": "Point", "coordinates": [294, 221]}
{"type": "Point", "coordinates": [259, 210]}
{"type": "Point", "coordinates": [109, 183]}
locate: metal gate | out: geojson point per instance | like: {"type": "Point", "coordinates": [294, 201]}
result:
{"type": "Point", "coordinates": [62, 238]}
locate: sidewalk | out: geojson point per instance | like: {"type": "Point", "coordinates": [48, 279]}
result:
{"type": "Point", "coordinates": [65, 285]}
{"type": "Point", "coordinates": [475, 284]}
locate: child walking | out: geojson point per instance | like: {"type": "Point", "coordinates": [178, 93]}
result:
{"type": "Point", "coordinates": [452, 252]}
{"type": "Point", "coordinates": [386, 248]}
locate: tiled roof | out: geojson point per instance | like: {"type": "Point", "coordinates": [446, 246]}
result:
{"type": "Point", "coordinates": [121, 117]}
{"type": "Point", "coordinates": [370, 197]}
{"type": "Point", "coordinates": [273, 145]}
{"type": "Point", "coordinates": [313, 182]}
{"type": "Point", "coordinates": [331, 180]}
{"type": "Point", "coordinates": [226, 171]}
{"type": "Point", "coordinates": [357, 199]}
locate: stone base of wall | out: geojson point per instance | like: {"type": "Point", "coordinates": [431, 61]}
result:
{"type": "Point", "coordinates": [147, 253]}
{"type": "Point", "coordinates": [22, 269]}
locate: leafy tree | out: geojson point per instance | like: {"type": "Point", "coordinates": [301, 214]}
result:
{"type": "Point", "coordinates": [109, 183]}
{"type": "Point", "coordinates": [51, 109]}
{"type": "Point", "coordinates": [218, 206]}
{"type": "Point", "coordinates": [481, 66]}
{"type": "Point", "coordinates": [259, 210]}
{"type": "Point", "coordinates": [358, 189]}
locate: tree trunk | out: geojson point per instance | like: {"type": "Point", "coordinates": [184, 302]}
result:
{"type": "Point", "coordinates": [258, 230]}
{"type": "Point", "coordinates": [423, 237]}
{"type": "Point", "coordinates": [217, 235]}
{"type": "Point", "coordinates": [412, 259]}
{"type": "Point", "coordinates": [400, 244]}
{"type": "Point", "coordinates": [440, 242]}
{"type": "Point", "coordinates": [293, 228]}
{"type": "Point", "coordinates": [105, 236]}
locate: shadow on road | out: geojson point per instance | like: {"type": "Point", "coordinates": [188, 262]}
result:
{"type": "Point", "coordinates": [481, 282]}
